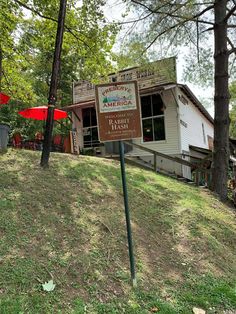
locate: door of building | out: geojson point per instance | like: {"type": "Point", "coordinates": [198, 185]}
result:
{"type": "Point", "coordinates": [90, 130]}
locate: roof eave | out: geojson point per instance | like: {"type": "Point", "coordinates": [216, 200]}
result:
{"type": "Point", "coordinates": [197, 103]}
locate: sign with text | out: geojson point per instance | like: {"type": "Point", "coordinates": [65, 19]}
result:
{"type": "Point", "coordinates": [74, 140]}
{"type": "Point", "coordinates": [118, 111]}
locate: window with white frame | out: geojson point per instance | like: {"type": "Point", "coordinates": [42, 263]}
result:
{"type": "Point", "coordinates": [153, 120]}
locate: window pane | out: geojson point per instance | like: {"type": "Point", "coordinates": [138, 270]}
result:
{"type": "Point", "coordinates": [93, 117]}
{"type": "Point", "coordinates": [146, 106]}
{"type": "Point", "coordinates": [94, 135]}
{"type": "Point", "coordinates": [159, 129]}
{"type": "Point", "coordinates": [147, 130]}
{"type": "Point", "coordinates": [158, 105]}
{"type": "Point", "coordinates": [87, 137]}
{"type": "Point", "coordinates": [86, 117]}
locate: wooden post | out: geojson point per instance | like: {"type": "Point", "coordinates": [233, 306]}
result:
{"type": "Point", "coordinates": [155, 162]}
{"type": "Point", "coordinates": [197, 177]}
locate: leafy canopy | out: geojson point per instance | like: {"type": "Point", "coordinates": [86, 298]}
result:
{"type": "Point", "coordinates": [27, 45]}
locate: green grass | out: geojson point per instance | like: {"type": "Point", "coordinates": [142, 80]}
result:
{"type": "Point", "coordinates": [67, 223]}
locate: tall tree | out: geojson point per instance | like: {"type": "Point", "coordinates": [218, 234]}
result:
{"type": "Point", "coordinates": [53, 85]}
{"type": "Point", "coordinates": [198, 23]}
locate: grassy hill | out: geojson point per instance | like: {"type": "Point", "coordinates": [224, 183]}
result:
{"type": "Point", "coordinates": [67, 223]}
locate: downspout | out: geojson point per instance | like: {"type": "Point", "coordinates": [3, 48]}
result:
{"type": "Point", "coordinates": [178, 120]}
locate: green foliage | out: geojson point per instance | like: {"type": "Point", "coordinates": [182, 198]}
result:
{"type": "Point", "coordinates": [14, 79]}
{"type": "Point", "coordinates": [27, 43]}
{"type": "Point", "coordinates": [232, 90]}
{"type": "Point", "coordinates": [209, 292]}
{"type": "Point", "coordinates": [232, 128]}
{"type": "Point", "coordinates": [131, 54]}
{"type": "Point", "coordinates": [199, 67]}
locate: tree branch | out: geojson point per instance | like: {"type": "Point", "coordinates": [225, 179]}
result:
{"type": "Point", "coordinates": [230, 13]}
{"type": "Point", "coordinates": [162, 33]}
{"type": "Point", "coordinates": [53, 20]}
{"type": "Point", "coordinates": [35, 11]}
{"type": "Point", "coordinates": [230, 42]}
{"type": "Point", "coordinates": [207, 30]}
{"type": "Point", "coordinates": [193, 18]}
{"type": "Point", "coordinates": [68, 29]}
{"type": "Point", "coordinates": [233, 48]}
{"type": "Point", "coordinates": [134, 21]}
{"type": "Point", "coordinates": [181, 23]}
{"type": "Point", "coordinates": [198, 36]}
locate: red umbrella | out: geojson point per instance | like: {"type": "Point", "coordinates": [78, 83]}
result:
{"type": "Point", "coordinates": [40, 113]}
{"type": "Point", "coordinates": [4, 99]}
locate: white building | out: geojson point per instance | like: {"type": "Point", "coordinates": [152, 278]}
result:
{"type": "Point", "coordinates": [174, 122]}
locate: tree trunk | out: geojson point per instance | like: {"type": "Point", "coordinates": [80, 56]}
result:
{"type": "Point", "coordinates": [53, 86]}
{"type": "Point", "coordinates": [221, 101]}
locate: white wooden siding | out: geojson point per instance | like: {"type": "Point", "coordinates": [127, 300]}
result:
{"type": "Point", "coordinates": [171, 145]}
{"type": "Point", "coordinates": [191, 120]}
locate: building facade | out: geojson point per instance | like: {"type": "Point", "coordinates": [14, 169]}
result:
{"type": "Point", "coordinates": [174, 122]}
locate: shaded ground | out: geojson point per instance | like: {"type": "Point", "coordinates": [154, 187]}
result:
{"type": "Point", "coordinates": [67, 223]}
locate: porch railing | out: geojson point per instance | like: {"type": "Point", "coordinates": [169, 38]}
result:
{"type": "Point", "coordinates": [200, 175]}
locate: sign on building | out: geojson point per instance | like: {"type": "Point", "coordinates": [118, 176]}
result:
{"type": "Point", "coordinates": [118, 111]}
{"type": "Point", "coordinates": [149, 75]}
{"type": "Point", "coordinates": [74, 140]}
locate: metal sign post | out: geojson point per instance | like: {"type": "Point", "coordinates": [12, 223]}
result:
{"type": "Point", "coordinates": [127, 216]}
{"type": "Point", "coordinates": [118, 115]}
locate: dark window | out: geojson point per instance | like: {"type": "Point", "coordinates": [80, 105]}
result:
{"type": "Point", "coordinates": [86, 117]}
{"type": "Point", "coordinates": [153, 118]}
{"type": "Point", "coordinates": [90, 131]}
{"type": "Point", "coordinates": [95, 135]}
{"type": "Point", "coordinates": [89, 117]}
{"type": "Point", "coordinates": [157, 105]}
{"type": "Point", "coordinates": [147, 130]}
{"type": "Point", "coordinates": [159, 129]}
{"type": "Point", "coordinates": [146, 106]}
{"type": "Point", "coordinates": [93, 117]}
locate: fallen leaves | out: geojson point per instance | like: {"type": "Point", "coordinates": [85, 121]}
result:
{"type": "Point", "coordinates": [198, 311]}
{"type": "Point", "coordinates": [49, 286]}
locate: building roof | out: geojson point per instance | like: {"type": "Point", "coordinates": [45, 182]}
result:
{"type": "Point", "coordinates": [78, 105]}
{"type": "Point", "coordinates": [200, 149]}
{"type": "Point", "coordinates": [196, 102]}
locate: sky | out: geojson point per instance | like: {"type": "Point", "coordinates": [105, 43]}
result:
{"type": "Point", "coordinates": [113, 12]}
